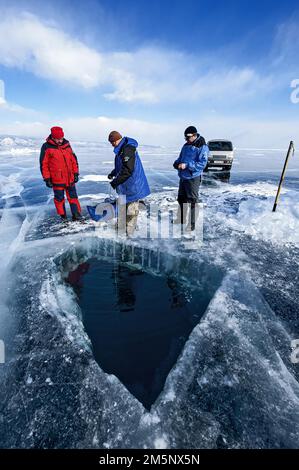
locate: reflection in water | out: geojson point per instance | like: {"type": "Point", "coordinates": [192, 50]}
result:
{"type": "Point", "coordinates": [221, 175]}
{"type": "Point", "coordinates": [75, 278]}
{"type": "Point", "coordinates": [138, 323]}
{"type": "Point", "coordinates": [126, 298]}
{"type": "Point", "coordinates": [179, 293]}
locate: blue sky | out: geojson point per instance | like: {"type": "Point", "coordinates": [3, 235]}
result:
{"type": "Point", "coordinates": [150, 68]}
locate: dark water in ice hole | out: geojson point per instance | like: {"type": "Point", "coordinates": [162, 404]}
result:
{"type": "Point", "coordinates": [138, 323]}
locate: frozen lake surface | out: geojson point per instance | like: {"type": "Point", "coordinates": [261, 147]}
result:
{"type": "Point", "coordinates": [227, 379]}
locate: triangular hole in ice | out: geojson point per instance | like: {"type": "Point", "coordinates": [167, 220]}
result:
{"type": "Point", "coordinates": [138, 323]}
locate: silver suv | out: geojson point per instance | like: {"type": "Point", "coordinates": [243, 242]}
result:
{"type": "Point", "coordinates": [221, 154]}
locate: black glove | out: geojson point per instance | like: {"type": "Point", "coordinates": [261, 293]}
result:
{"type": "Point", "coordinates": [76, 178]}
{"type": "Point", "coordinates": [113, 184]}
{"type": "Point", "coordinates": [110, 176]}
{"type": "Point", "coordinates": [49, 183]}
{"type": "Point", "coordinates": [175, 165]}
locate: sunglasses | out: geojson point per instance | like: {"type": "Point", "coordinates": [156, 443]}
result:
{"type": "Point", "coordinates": [187, 136]}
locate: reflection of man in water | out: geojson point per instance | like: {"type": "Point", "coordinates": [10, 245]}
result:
{"type": "Point", "coordinates": [123, 278]}
{"type": "Point", "coordinates": [75, 277]}
{"type": "Point", "coordinates": [178, 293]}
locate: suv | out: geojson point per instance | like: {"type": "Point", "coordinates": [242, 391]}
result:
{"type": "Point", "coordinates": [221, 154]}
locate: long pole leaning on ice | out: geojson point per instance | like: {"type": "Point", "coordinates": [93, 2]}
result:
{"type": "Point", "coordinates": [290, 150]}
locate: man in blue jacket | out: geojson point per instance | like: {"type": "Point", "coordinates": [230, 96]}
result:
{"type": "Point", "coordinates": [190, 165]}
{"type": "Point", "coordinates": [128, 177]}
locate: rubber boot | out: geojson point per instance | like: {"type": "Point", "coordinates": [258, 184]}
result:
{"type": "Point", "coordinates": [181, 216]}
{"type": "Point", "coordinates": [194, 211]}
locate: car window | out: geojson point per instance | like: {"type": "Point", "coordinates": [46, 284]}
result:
{"type": "Point", "coordinates": [222, 146]}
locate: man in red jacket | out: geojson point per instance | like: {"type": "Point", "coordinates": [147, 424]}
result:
{"type": "Point", "coordinates": [60, 170]}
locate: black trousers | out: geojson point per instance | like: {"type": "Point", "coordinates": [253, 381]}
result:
{"type": "Point", "coordinates": [188, 193]}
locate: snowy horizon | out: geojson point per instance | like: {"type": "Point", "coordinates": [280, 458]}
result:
{"type": "Point", "coordinates": [10, 140]}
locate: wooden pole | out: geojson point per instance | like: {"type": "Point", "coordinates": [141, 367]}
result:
{"type": "Point", "coordinates": [291, 147]}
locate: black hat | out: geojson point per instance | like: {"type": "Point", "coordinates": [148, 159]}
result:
{"type": "Point", "coordinates": [190, 130]}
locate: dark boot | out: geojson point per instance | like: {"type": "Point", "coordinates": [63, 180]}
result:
{"type": "Point", "coordinates": [77, 217]}
{"type": "Point", "coordinates": [190, 228]}
{"type": "Point", "coordinates": [63, 218]}
{"type": "Point", "coordinates": [194, 211]}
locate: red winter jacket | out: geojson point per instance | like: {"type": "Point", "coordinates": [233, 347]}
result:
{"type": "Point", "coordinates": [58, 163]}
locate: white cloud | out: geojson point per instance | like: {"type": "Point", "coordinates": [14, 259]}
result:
{"type": "Point", "coordinates": [97, 129]}
{"type": "Point", "coordinates": [148, 75]}
{"type": "Point", "coordinates": [48, 52]}
{"type": "Point", "coordinates": [244, 133]}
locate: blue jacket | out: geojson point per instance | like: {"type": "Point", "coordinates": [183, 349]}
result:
{"type": "Point", "coordinates": [195, 155]}
{"type": "Point", "coordinates": [136, 186]}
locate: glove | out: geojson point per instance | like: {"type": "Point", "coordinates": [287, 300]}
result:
{"type": "Point", "coordinates": [76, 178]}
{"type": "Point", "coordinates": [110, 176]}
{"type": "Point", "coordinates": [175, 165]}
{"type": "Point", "coordinates": [49, 183]}
{"type": "Point", "coordinates": [113, 184]}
